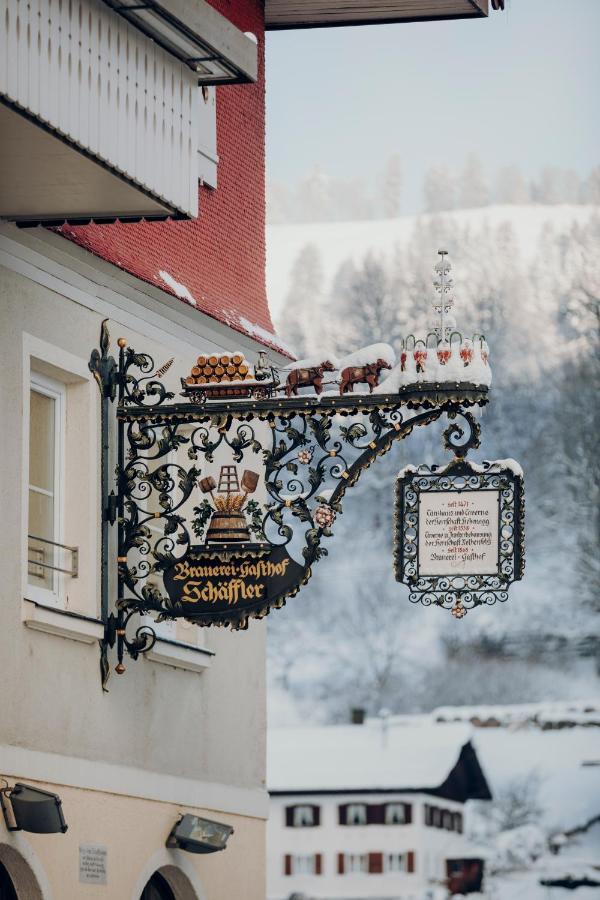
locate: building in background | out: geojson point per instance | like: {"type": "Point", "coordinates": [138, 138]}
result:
{"type": "Point", "coordinates": [373, 809]}
{"type": "Point", "coordinates": [131, 189]}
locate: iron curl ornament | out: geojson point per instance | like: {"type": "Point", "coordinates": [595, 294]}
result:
{"type": "Point", "coordinates": [218, 498]}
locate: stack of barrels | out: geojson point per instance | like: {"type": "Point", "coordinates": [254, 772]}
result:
{"type": "Point", "coordinates": [218, 369]}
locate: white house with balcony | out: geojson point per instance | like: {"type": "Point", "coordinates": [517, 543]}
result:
{"type": "Point", "coordinates": [371, 810]}
{"type": "Point", "coordinates": [107, 109]}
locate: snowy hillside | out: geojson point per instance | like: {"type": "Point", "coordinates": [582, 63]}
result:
{"type": "Point", "coordinates": [339, 241]}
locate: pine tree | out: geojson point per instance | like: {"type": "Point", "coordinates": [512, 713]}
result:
{"type": "Point", "coordinates": [473, 190]}
{"type": "Point", "coordinates": [511, 187]}
{"type": "Point", "coordinates": [439, 190]}
{"type": "Point", "coordinates": [392, 187]}
{"type": "Point", "coordinates": [299, 318]}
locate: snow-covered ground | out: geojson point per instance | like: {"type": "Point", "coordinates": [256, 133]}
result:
{"type": "Point", "coordinates": [339, 241]}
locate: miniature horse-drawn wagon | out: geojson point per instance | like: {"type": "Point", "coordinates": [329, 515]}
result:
{"type": "Point", "coordinates": [229, 377]}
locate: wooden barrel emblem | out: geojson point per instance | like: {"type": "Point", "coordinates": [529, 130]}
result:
{"type": "Point", "coordinates": [226, 528]}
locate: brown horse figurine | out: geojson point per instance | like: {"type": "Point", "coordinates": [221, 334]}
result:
{"type": "Point", "coordinates": [362, 375]}
{"type": "Point", "coordinates": [312, 377]}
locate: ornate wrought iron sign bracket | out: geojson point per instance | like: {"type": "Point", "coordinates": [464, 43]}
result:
{"type": "Point", "coordinates": [222, 503]}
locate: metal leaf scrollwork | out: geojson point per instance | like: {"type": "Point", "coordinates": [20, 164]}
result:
{"type": "Point", "coordinates": [297, 457]}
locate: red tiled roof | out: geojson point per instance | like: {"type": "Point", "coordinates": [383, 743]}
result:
{"type": "Point", "coordinates": [220, 256]}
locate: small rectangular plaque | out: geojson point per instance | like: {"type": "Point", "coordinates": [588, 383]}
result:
{"type": "Point", "coordinates": [458, 532]}
{"type": "Point", "coordinates": [92, 863]}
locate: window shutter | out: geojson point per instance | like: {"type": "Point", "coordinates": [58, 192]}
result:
{"type": "Point", "coordinates": [375, 863]}
{"type": "Point", "coordinates": [289, 816]}
{"type": "Point", "coordinates": [375, 813]}
{"type": "Point", "coordinates": [318, 864]}
{"type": "Point", "coordinates": [316, 815]}
{"type": "Point", "coordinates": [287, 864]}
{"type": "Point", "coordinates": [410, 861]}
{"type": "Point", "coordinates": [408, 813]}
{"type": "Point", "coordinates": [343, 814]}
{"type": "Point", "coordinates": [340, 863]}
{"type": "Point", "coordinates": [206, 111]}
{"type": "Point", "coordinates": [459, 823]}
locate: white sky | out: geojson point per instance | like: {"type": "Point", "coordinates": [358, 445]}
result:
{"type": "Point", "coordinates": [519, 87]}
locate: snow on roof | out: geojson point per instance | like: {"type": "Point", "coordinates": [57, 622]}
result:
{"type": "Point", "coordinates": [562, 713]}
{"type": "Point", "coordinates": [566, 760]}
{"type": "Point", "coordinates": [367, 355]}
{"type": "Point", "coordinates": [377, 755]}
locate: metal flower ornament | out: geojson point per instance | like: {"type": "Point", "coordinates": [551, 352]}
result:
{"type": "Point", "coordinates": [228, 486]}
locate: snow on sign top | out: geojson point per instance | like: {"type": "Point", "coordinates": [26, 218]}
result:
{"type": "Point", "coordinates": [377, 755]}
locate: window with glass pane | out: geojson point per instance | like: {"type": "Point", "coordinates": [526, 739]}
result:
{"type": "Point", "coordinates": [303, 816]}
{"type": "Point", "coordinates": [395, 862]}
{"type": "Point", "coordinates": [357, 862]}
{"type": "Point", "coordinates": [357, 814]}
{"type": "Point", "coordinates": [395, 814]}
{"type": "Point", "coordinates": [304, 865]}
{"type": "Point", "coordinates": [44, 501]}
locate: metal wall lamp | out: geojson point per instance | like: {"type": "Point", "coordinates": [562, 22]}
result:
{"type": "Point", "coordinates": [309, 449]}
{"type": "Point", "coordinates": [198, 35]}
{"type": "Point", "coordinates": [27, 808]}
{"type": "Point", "coordinates": [197, 835]}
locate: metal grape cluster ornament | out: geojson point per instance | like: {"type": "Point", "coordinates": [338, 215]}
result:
{"type": "Point", "coordinates": [228, 484]}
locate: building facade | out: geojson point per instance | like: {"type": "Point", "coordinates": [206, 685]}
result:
{"type": "Point", "coordinates": [365, 811]}
{"type": "Point", "coordinates": [131, 190]}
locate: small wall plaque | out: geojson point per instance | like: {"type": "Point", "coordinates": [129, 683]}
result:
{"type": "Point", "coordinates": [92, 864]}
{"type": "Point", "coordinates": [459, 532]}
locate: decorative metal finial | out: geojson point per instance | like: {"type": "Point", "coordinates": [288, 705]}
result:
{"type": "Point", "coordinates": [443, 286]}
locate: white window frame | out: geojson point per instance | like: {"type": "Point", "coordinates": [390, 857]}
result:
{"type": "Point", "coordinates": [56, 391]}
{"type": "Point", "coordinates": [304, 864]}
{"type": "Point", "coordinates": [208, 158]}
{"type": "Point", "coordinates": [395, 862]}
{"type": "Point", "coordinates": [303, 816]}
{"type": "Point", "coordinates": [392, 809]}
{"type": "Point", "coordinates": [356, 863]}
{"type": "Point", "coordinates": [352, 811]}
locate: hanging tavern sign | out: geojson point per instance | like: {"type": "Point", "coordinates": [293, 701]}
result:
{"type": "Point", "coordinates": [230, 478]}
{"type": "Point", "coordinates": [459, 532]}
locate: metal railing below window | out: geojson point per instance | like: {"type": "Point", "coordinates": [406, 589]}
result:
{"type": "Point", "coordinates": [74, 551]}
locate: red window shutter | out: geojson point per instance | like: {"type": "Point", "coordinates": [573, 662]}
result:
{"type": "Point", "coordinates": [343, 814]}
{"type": "Point", "coordinates": [316, 815]}
{"type": "Point", "coordinates": [375, 813]}
{"type": "Point", "coordinates": [287, 864]}
{"type": "Point", "coordinates": [410, 861]}
{"type": "Point", "coordinates": [289, 816]}
{"type": "Point", "coordinates": [318, 864]}
{"type": "Point", "coordinates": [375, 863]}
{"type": "Point", "coordinates": [340, 863]}
{"type": "Point", "coordinates": [408, 813]}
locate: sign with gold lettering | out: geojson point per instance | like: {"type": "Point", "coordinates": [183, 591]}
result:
{"type": "Point", "coordinates": [459, 532]}
{"type": "Point", "coordinates": [209, 588]}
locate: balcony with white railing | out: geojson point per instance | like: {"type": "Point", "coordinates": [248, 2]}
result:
{"type": "Point", "coordinates": [99, 105]}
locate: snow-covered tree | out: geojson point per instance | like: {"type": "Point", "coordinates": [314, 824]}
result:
{"type": "Point", "coordinates": [511, 187]}
{"type": "Point", "coordinates": [299, 318]}
{"type": "Point", "coordinates": [392, 187]}
{"type": "Point", "coordinates": [439, 189]}
{"type": "Point", "coordinates": [473, 190]}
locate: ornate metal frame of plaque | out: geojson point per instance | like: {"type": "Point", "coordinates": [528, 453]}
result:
{"type": "Point", "coordinates": [460, 533]}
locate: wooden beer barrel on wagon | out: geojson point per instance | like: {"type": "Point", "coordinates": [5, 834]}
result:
{"type": "Point", "coordinates": [227, 527]}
